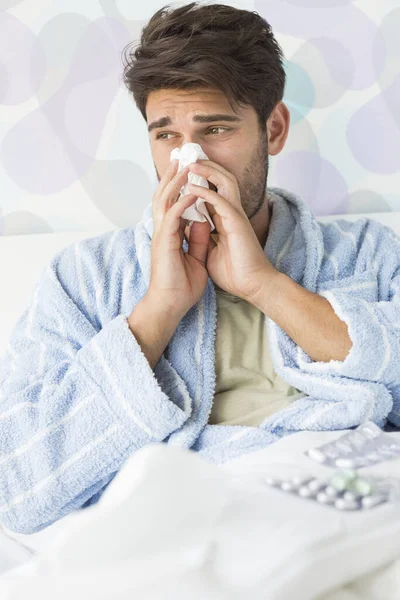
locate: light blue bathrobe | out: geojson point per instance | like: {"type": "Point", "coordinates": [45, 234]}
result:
{"type": "Point", "coordinates": [78, 395]}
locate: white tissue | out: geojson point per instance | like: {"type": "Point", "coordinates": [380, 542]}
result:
{"type": "Point", "coordinates": [190, 153]}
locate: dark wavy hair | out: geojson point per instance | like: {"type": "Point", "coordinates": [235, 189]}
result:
{"type": "Point", "coordinates": [207, 46]}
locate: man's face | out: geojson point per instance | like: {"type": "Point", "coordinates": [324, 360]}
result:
{"type": "Point", "coordinates": [237, 145]}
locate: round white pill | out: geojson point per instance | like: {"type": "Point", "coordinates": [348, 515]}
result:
{"type": "Point", "coordinates": [330, 491]}
{"type": "Point", "coordinates": [344, 504]}
{"type": "Point", "coordinates": [272, 481]}
{"type": "Point", "coordinates": [325, 499]}
{"type": "Point", "coordinates": [300, 480]}
{"type": "Point", "coordinates": [349, 496]}
{"type": "Point", "coordinates": [374, 500]}
{"type": "Point", "coordinates": [287, 486]}
{"type": "Point", "coordinates": [364, 487]}
{"type": "Point", "coordinates": [305, 492]}
{"type": "Point", "coordinates": [315, 485]}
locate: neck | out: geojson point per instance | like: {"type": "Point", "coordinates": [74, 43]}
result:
{"type": "Point", "coordinates": [260, 223]}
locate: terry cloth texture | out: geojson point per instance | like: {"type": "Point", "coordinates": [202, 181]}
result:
{"type": "Point", "coordinates": [78, 395]}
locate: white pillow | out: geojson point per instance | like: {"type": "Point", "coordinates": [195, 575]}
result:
{"type": "Point", "coordinates": [23, 257]}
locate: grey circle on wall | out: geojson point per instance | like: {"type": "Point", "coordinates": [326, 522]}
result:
{"type": "Point", "coordinates": [23, 222]}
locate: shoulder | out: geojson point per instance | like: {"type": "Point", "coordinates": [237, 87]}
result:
{"type": "Point", "coordinates": [108, 249]}
{"type": "Point", "coordinates": [103, 244]}
{"type": "Point", "coordinates": [357, 229]}
{"type": "Point", "coordinates": [95, 273]}
{"type": "Point", "coordinates": [363, 252]}
{"type": "Point", "coordinates": [361, 243]}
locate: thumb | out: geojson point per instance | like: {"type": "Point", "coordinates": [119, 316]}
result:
{"type": "Point", "coordinates": [211, 244]}
{"type": "Point", "coordinates": [198, 240]}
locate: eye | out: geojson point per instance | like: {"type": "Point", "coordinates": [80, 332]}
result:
{"type": "Point", "coordinates": [224, 129]}
{"type": "Point", "coordinates": [161, 136]}
{"type": "Point", "coordinates": [158, 137]}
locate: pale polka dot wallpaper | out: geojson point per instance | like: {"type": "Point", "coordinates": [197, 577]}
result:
{"type": "Point", "coordinates": [74, 149]}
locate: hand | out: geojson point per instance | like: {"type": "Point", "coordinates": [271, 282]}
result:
{"type": "Point", "coordinates": [178, 279]}
{"type": "Point", "coordinates": [236, 263]}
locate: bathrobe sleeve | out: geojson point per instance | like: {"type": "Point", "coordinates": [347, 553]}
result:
{"type": "Point", "coordinates": [76, 398]}
{"type": "Point", "coordinates": [368, 301]}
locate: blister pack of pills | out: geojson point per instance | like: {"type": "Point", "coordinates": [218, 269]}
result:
{"type": "Point", "coordinates": [344, 490]}
{"type": "Point", "coordinates": [362, 447]}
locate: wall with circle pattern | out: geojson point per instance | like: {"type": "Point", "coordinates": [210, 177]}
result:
{"type": "Point", "coordinates": [74, 150]}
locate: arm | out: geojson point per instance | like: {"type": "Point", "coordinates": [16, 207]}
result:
{"type": "Point", "coordinates": [367, 302]}
{"type": "Point", "coordinates": [153, 328]}
{"type": "Point", "coordinates": [306, 317]}
{"type": "Point", "coordinates": [365, 295]}
{"type": "Point", "coordinates": [75, 401]}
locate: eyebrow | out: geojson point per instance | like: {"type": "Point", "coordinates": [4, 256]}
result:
{"type": "Point", "coordinates": [164, 121]}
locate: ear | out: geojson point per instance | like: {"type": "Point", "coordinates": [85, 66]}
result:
{"type": "Point", "coordinates": [278, 128]}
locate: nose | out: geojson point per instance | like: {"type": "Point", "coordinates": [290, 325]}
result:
{"type": "Point", "coordinates": [191, 138]}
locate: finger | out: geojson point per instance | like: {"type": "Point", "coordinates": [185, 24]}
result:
{"type": "Point", "coordinates": [211, 245]}
{"type": "Point", "coordinates": [213, 165]}
{"type": "Point", "coordinates": [223, 208]}
{"type": "Point", "coordinates": [174, 215]}
{"type": "Point", "coordinates": [206, 168]}
{"type": "Point", "coordinates": [227, 186]}
{"type": "Point", "coordinates": [155, 204]}
{"type": "Point", "coordinates": [173, 188]}
{"type": "Point", "coordinates": [163, 203]}
{"type": "Point", "coordinates": [169, 173]}
{"type": "Point", "coordinates": [198, 241]}
{"type": "Point", "coordinates": [211, 210]}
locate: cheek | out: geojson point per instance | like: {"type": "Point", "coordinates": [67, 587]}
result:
{"type": "Point", "coordinates": [161, 166]}
{"type": "Point", "coordinates": [229, 159]}
{"type": "Point", "coordinates": [161, 158]}
{"type": "Point", "coordinates": [235, 161]}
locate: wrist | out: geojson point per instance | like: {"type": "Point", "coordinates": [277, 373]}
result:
{"type": "Point", "coordinates": [156, 314]}
{"type": "Point", "coordinates": [153, 328]}
{"type": "Point", "coordinates": [269, 283]}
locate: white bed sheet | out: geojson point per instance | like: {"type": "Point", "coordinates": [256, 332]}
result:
{"type": "Point", "coordinates": [180, 538]}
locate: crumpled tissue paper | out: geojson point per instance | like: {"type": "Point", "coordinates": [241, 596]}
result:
{"type": "Point", "coordinates": [190, 153]}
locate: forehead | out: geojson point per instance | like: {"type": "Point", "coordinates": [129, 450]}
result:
{"type": "Point", "coordinates": [179, 103]}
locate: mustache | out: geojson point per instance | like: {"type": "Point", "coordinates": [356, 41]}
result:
{"type": "Point", "coordinates": [211, 185]}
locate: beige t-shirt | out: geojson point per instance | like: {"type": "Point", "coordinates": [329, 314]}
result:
{"type": "Point", "coordinates": [247, 388]}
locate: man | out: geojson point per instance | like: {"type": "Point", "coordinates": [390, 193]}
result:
{"type": "Point", "coordinates": [221, 343]}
